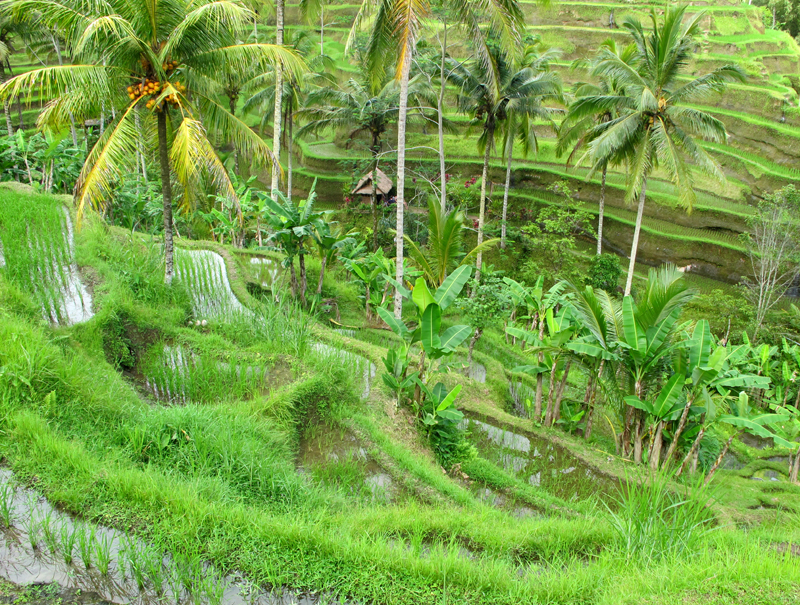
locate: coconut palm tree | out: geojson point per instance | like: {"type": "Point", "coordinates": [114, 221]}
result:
{"type": "Point", "coordinates": [276, 114]}
{"type": "Point", "coordinates": [154, 53]}
{"type": "Point", "coordinates": [655, 127]}
{"type": "Point", "coordinates": [296, 87]}
{"type": "Point", "coordinates": [395, 29]}
{"type": "Point", "coordinates": [491, 96]}
{"type": "Point", "coordinates": [573, 130]}
{"type": "Point", "coordinates": [364, 107]}
{"type": "Point", "coordinates": [521, 113]}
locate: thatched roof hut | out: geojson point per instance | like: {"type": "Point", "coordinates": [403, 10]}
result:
{"type": "Point", "coordinates": [382, 187]}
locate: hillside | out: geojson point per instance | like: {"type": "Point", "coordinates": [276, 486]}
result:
{"type": "Point", "coordinates": [762, 117]}
{"type": "Point", "coordinates": [219, 440]}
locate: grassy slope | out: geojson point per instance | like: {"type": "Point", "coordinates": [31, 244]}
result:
{"type": "Point", "coordinates": [232, 496]}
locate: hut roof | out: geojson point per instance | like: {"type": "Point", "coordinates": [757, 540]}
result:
{"type": "Point", "coordinates": [364, 187]}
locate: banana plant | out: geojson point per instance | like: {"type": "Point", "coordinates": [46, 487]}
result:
{"type": "Point", "coordinates": [526, 302]}
{"type": "Point", "coordinates": [596, 345]}
{"type": "Point", "coordinates": [662, 409]}
{"type": "Point", "coordinates": [645, 339]}
{"type": "Point", "coordinates": [372, 270]}
{"type": "Point", "coordinates": [789, 430]}
{"type": "Point", "coordinates": [553, 356]}
{"type": "Point", "coordinates": [540, 302]}
{"type": "Point", "coordinates": [744, 418]}
{"type": "Point", "coordinates": [712, 371]}
{"type": "Point", "coordinates": [429, 306]}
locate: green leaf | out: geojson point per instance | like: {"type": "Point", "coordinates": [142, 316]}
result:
{"type": "Point", "coordinates": [630, 326]}
{"type": "Point", "coordinates": [404, 292]}
{"type": "Point", "coordinates": [397, 326]}
{"type": "Point", "coordinates": [454, 336]}
{"type": "Point", "coordinates": [700, 344]}
{"type": "Point", "coordinates": [452, 286]}
{"type": "Point", "coordinates": [669, 396]}
{"type": "Point", "coordinates": [449, 399]}
{"type": "Point", "coordinates": [589, 349]}
{"type": "Point", "coordinates": [635, 402]}
{"type": "Point", "coordinates": [421, 296]}
{"type": "Point", "coordinates": [431, 323]}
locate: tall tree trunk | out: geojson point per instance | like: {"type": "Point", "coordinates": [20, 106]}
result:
{"type": "Point", "coordinates": [482, 212]}
{"type": "Point", "coordinates": [374, 192]}
{"type": "Point", "coordinates": [510, 146]}
{"type": "Point", "coordinates": [322, 274]}
{"type": "Point", "coordinates": [289, 149]}
{"type": "Point", "coordinates": [440, 111]}
{"type": "Point", "coordinates": [322, 28]}
{"type": "Point", "coordinates": [601, 211]}
{"type": "Point", "coordinates": [690, 454]}
{"type": "Point", "coordinates": [560, 393]}
{"type": "Point", "coordinates": [678, 431]}
{"type": "Point", "coordinates": [795, 468]}
{"type": "Point", "coordinates": [636, 230]}
{"type": "Point", "coordinates": [232, 106]}
{"type": "Point", "coordinates": [401, 174]}
{"type": "Point", "coordinates": [166, 192]}
{"type": "Point", "coordinates": [276, 116]}
{"type": "Point", "coordinates": [718, 461]}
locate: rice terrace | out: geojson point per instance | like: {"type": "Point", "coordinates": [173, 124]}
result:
{"type": "Point", "coordinates": [400, 302]}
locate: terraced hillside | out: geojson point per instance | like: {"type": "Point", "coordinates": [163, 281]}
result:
{"type": "Point", "coordinates": [762, 117]}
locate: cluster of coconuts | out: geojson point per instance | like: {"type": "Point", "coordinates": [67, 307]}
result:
{"type": "Point", "coordinates": [153, 87]}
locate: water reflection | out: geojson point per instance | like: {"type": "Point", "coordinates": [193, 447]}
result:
{"type": "Point", "coordinates": [537, 461]}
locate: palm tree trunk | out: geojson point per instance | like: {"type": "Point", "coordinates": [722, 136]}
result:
{"type": "Point", "coordinates": [374, 193]}
{"type": "Point", "coordinates": [440, 110]}
{"type": "Point", "coordinates": [166, 192]}
{"type": "Point", "coordinates": [601, 211]}
{"type": "Point", "coordinates": [289, 150]}
{"type": "Point", "coordinates": [587, 431]}
{"type": "Point", "coordinates": [718, 461]}
{"type": "Point", "coordinates": [482, 213]}
{"type": "Point", "coordinates": [401, 175]}
{"type": "Point", "coordinates": [232, 107]}
{"type": "Point", "coordinates": [322, 274]}
{"type": "Point", "coordinates": [795, 468]}
{"type": "Point", "coordinates": [505, 192]}
{"type": "Point", "coordinates": [276, 115]}
{"type": "Point", "coordinates": [635, 244]}
{"type": "Point", "coordinates": [691, 452]}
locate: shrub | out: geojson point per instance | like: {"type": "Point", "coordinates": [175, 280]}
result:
{"type": "Point", "coordinates": [604, 272]}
